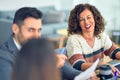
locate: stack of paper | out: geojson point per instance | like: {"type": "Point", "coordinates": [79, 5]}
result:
{"type": "Point", "coordinates": [88, 73]}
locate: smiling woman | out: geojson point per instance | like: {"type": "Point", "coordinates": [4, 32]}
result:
{"type": "Point", "coordinates": [87, 41]}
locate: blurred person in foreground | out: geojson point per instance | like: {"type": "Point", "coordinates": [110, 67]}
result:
{"type": "Point", "coordinates": [87, 40]}
{"type": "Point", "coordinates": [36, 61]}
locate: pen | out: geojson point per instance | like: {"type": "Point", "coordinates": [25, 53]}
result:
{"type": "Point", "coordinates": [115, 73]}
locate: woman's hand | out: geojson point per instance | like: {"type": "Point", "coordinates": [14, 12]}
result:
{"type": "Point", "coordinates": [114, 70]}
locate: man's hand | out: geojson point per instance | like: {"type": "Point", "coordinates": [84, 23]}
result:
{"type": "Point", "coordinates": [60, 60]}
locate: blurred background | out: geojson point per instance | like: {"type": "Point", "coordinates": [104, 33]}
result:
{"type": "Point", "coordinates": [56, 13]}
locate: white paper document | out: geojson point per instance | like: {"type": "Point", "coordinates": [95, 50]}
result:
{"type": "Point", "coordinates": [88, 73]}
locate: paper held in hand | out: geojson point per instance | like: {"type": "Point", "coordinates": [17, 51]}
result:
{"type": "Point", "coordinates": [87, 73]}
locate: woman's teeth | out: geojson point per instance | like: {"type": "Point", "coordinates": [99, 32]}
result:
{"type": "Point", "coordinates": [87, 27]}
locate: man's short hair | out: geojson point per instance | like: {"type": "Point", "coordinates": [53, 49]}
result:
{"type": "Point", "coordinates": [25, 12]}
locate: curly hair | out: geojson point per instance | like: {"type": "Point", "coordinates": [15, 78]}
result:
{"type": "Point", "coordinates": [73, 22]}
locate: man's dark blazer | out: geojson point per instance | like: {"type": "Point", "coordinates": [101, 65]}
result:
{"type": "Point", "coordinates": [8, 52]}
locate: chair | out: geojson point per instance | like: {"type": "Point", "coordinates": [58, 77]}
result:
{"type": "Point", "coordinates": [5, 30]}
{"type": "Point", "coordinates": [116, 36]}
{"type": "Point", "coordinates": [62, 42]}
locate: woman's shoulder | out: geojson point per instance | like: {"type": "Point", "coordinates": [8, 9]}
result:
{"type": "Point", "coordinates": [74, 37]}
{"type": "Point", "coordinates": [103, 35]}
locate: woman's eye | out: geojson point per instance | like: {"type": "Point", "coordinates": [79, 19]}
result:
{"type": "Point", "coordinates": [81, 19]}
{"type": "Point", "coordinates": [89, 17]}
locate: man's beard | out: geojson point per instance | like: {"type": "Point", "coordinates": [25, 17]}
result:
{"type": "Point", "coordinates": [21, 39]}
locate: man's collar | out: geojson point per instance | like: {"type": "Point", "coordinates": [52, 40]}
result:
{"type": "Point", "coordinates": [17, 45]}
